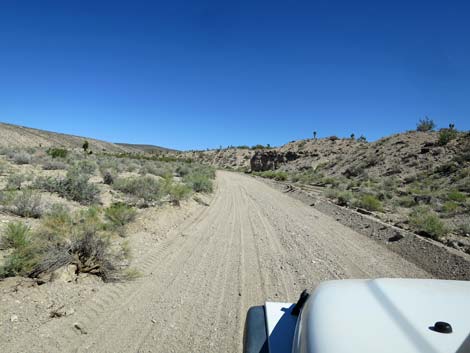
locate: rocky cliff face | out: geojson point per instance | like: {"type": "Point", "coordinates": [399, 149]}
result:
{"type": "Point", "coordinates": [270, 160]}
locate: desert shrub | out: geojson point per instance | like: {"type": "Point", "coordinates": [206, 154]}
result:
{"type": "Point", "coordinates": [427, 222]}
{"type": "Point", "coordinates": [27, 203]}
{"type": "Point", "coordinates": [370, 203]}
{"type": "Point", "coordinates": [445, 136]}
{"type": "Point", "coordinates": [15, 181]}
{"type": "Point", "coordinates": [272, 174]}
{"type": "Point", "coordinates": [54, 165]}
{"type": "Point", "coordinates": [450, 207]}
{"type": "Point", "coordinates": [456, 196]}
{"type": "Point", "coordinates": [407, 201]}
{"type": "Point", "coordinates": [56, 152]}
{"type": "Point", "coordinates": [333, 138]}
{"type": "Point", "coordinates": [85, 166]}
{"type": "Point", "coordinates": [144, 187]}
{"type": "Point", "coordinates": [425, 124]}
{"type": "Point", "coordinates": [464, 228]}
{"type": "Point", "coordinates": [108, 178]}
{"type": "Point", "coordinates": [163, 171]}
{"type": "Point", "coordinates": [119, 214]}
{"type": "Point", "coordinates": [331, 193]}
{"type": "Point", "coordinates": [345, 198]}
{"type": "Point", "coordinates": [81, 242]}
{"type": "Point", "coordinates": [178, 192]}
{"type": "Point", "coordinates": [21, 158]}
{"type": "Point", "coordinates": [199, 182]}
{"type": "Point", "coordinates": [74, 186]}
{"type": "Point", "coordinates": [16, 235]}
{"type": "Point", "coordinates": [57, 221]}
{"type": "Point", "coordinates": [182, 170]}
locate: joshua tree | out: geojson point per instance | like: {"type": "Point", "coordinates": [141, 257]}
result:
{"type": "Point", "coordinates": [85, 146]}
{"type": "Point", "coordinates": [314, 135]}
{"type": "Point", "coordinates": [353, 136]}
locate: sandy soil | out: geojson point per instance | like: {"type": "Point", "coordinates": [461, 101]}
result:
{"type": "Point", "coordinates": [251, 244]}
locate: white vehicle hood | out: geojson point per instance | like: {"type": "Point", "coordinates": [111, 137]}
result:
{"type": "Point", "coordinates": [385, 315]}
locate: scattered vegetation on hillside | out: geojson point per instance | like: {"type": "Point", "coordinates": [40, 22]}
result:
{"type": "Point", "coordinates": [102, 189]}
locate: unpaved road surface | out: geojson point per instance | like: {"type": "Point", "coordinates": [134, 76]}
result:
{"type": "Point", "coordinates": [250, 244]}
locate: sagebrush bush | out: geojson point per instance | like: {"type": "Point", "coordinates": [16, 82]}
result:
{"type": "Point", "coordinates": [74, 186]}
{"type": "Point", "coordinates": [425, 221]}
{"type": "Point", "coordinates": [16, 235]}
{"type": "Point", "coordinates": [199, 182]}
{"type": "Point", "coordinates": [22, 158]}
{"type": "Point", "coordinates": [15, 181]}
{"type": "Point", "coordinates": [27, 203]}
{"type": "Point", "coordinates": [81, 242]}
{"type": "Point", "coordinates": [147, 188]}
{"type": "Point", "coordinates": [119, 214]}
{"type": "Point", "coordinates": [182, 170]}
{"type": "Point", "coordinates": [54, 165]}
{"type": "Point", "coordinates": [345, 198]}
{"type": "Point", "coordinates": [84, 167]}
{"type": "Point", "coordinates": [370, 203]}
{"type": "Point", "coordinates": [178, 192]}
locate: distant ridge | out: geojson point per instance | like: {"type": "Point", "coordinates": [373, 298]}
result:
{"type": "Point", "coordinates": [146, 148]}
{"type": "Point", "coordinates": [21, 136]}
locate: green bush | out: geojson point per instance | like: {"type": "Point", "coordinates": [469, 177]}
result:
{"type": "Point", "coordinates": [370, 203]}
{"type": "Point", "coordinates": [425, 124]}
{"type": "Point", "coordinates": [55, 152]}
{"type": "Point", "coordinates": [119, 214]}
{"type": "Point", "coordinates": [456, 196]}
{"type": "Point", "coordinates": [16, 235]}
{"type": "Point", "coordinates": [450, 207]}
{"type": "Point", "coordinates": [425, 221]}
{"type": "Point", "coordinates": [446, 135]}
{"type": "Point", "coordinates": [199, 182]}
{"type": "Point", "coordinates": [178, 192]}
{"type": "Point", "coordinates": [147, 188]}
{"type": "Point", "coordinates": [345, 198]}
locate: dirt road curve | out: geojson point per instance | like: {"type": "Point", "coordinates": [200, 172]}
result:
{"type": "Point", "coordinates": [252, 243]}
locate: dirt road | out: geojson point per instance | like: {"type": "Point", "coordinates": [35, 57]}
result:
{"type": "Point", "coordinates": [252, 243]}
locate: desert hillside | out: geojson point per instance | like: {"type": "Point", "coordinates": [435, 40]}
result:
{"type": "Point", "coordinates": [165, 243]}
{"type": "Point", "coordinates": [15, 136]}
{"type": "Point", "coordinates": [415, 180]}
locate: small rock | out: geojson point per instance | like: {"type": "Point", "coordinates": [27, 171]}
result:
{"type": "Point", "coordinates": [153, 321]}
{"type": "Point", "coordinates": [80, 328]}
{"type": "Point", "coordinates": [14, 318]}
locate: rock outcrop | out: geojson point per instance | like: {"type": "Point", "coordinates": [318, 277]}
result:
{"type": "Point", "coordinates": [270, 160]}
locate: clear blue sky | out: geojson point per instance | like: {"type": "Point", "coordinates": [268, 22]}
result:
{"type": "Point", "coordinates": [197, 74]}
